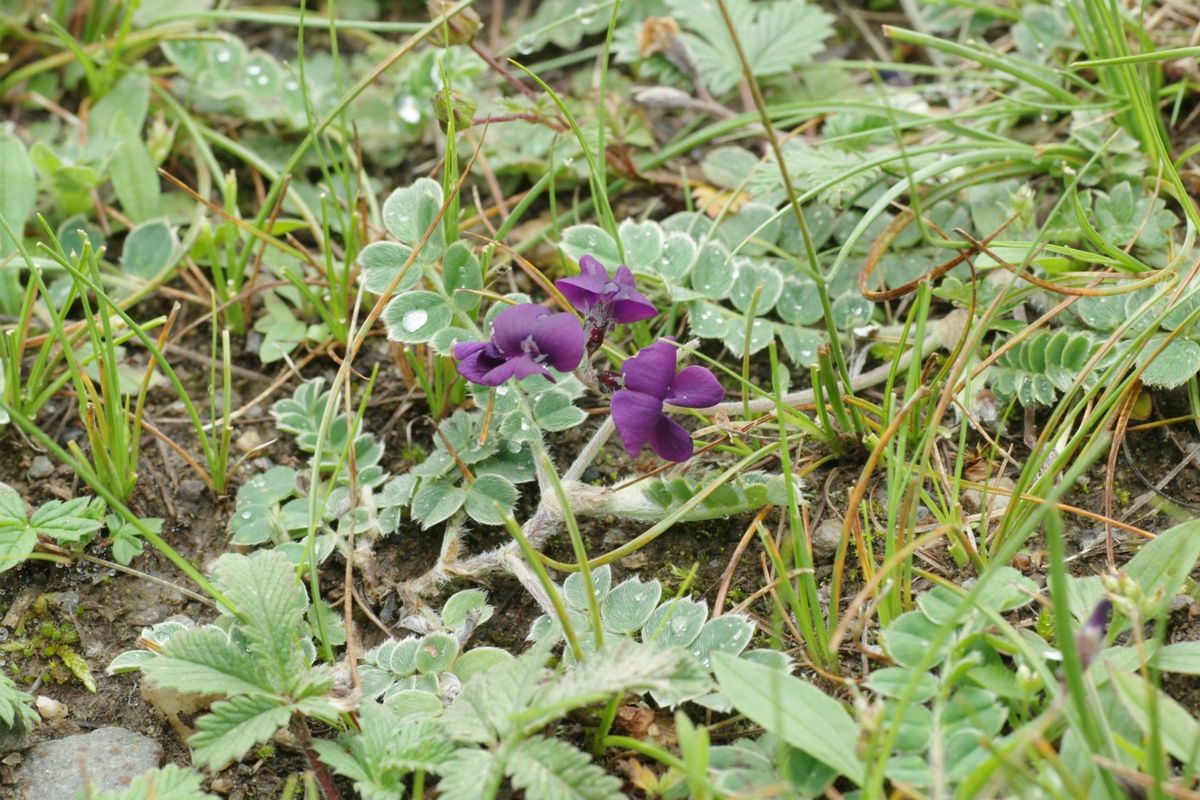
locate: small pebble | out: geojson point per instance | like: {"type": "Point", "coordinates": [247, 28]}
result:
{"type": "Point", "coordinates": [50, 709]}
{"type": "Point", "coordinates": [221, 785]}
{"type": "Point", "coordinates": [192, 488]}
{"type": "Point", "coordinates": [110, 757]}
{"type": "Point", "coordinates": [825, 539]}
{"type": "Point", "coordinates": [41, 467]}
{"type": "Point", "coordinates": [249, 441]}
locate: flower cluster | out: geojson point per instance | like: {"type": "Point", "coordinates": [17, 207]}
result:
{"type": "Point", "coordinates": [528, 339]}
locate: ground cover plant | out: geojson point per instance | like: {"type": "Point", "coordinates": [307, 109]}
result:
{"type": "Point", "coordinates": [640, 398]}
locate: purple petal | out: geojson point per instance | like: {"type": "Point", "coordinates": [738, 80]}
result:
{"type": "Point", "coordinates": [514, 325]}
{"type": "Point", "coordinates": [629, 305]}
{"type": "Point", "coordinates": [636, 416]}
{"type": "Point", "coordinates": [580, 292]}
{"type": "Point", "coordinates": [559, 338]}
{"type": "Point", "coordinates": [464, 349]}
{"type": "Point", "coordinates": [670, 440]}
{"type": "Point", "coordinates": [651, 370]}
{"type": "Point", "coordinates": [633, 309]}
{"type": "Point", "coordinates": [476, 360]}
{"type": "Point", "coordinates": [519, 367]}
{"type": "Point", "coordinates": [695, 387]}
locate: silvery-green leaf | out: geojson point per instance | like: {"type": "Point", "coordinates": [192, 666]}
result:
{"type": "Point", "coordinates": [479, 659]}
{"type": "Point", "coordinates": [761, 332]}
{"type": "Point", "coordinates": [799, 302]}
{"type": "Point", "coordinates": [553, 411]}
{"type": "Point", "coordinates": [675, 261]}
{"type": "Point", "coordinates": [573, 588]}
{"type": "Point", "coordinates": [435, 501]}
{"type": "Point", "coordinates": [435, 653]}
{"type": "Point", "coordinates": [676, 622]}
{"type": "Point", "coordinates": [584, 240]}
{"type": "Point", "coordinates": [751, 276]}
{"type": "Point", "coordinates": [149, 248]}
{"type": "Point", "coordinates": [415, 317]}
{"type": "Point", "coordinates": [800, 344]}
{"type": "Point", "coordinates": [444, 340]}
{"type": "Point", "coordinates": [850, 311]}
{"type": "Point", "coordinates": [630, 604]}
{"type": "Point", "coordinates": [409, 211]}
{"type": "Point", "coordinates": [708, 320]}
{"type": "Point", "coordinates": [461, 604]}
{"type": "Point", "coordinates": [643, 242]}
{"type": "Point", "coordinates": [382, 261]}
{"type": "Point", "coordinates": [751, 229]}
{"type": "Point", "coordinates": [713, 275]}
{"type": "Point", "coordinates": [1172, 367]}
{"type": "Point", "coordinates": [728, 166]}
{"type": "Point", "coordinates": [483, 495]}
{"type": "Point", "coordinates": [729, 633]}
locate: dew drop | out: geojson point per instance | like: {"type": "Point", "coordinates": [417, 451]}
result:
{"type": "Point", "coordinates": [526, 45]}
{"type": "Point", "coordinates": [501, 391]}
{"type": "Point", "coordinates": [291, 85]}
{"type": "Point", "coordinates": [586, 13]}
{"type": "Point", "coordinates": [408, 110]}
{"type": "Point", "coordinates": [253, 69]}
{"type": "Point", "coordinates": [414, 319]}
{"type": "Point", "coordinates": [263, 80]}
{"type": "Point", "coordinates": [224, 55]}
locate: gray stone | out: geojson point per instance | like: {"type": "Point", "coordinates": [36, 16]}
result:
{"type": "Point", "coordinates": [111, 757]}
{"type": "Point", "coordinates": [41, 467]}
{"type": "Point", "coordinates": [192, 489]}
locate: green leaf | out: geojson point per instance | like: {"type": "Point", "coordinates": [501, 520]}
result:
{"type": "Point", "coordinates": [1163, 564]}
{"type": "Point", "coordinates": [788, 707]}
{"type": "Point", "coordinates": [776, 37]}
{"type": "Point", "coordinates": [583, 240]}
{"type": "Point", "coordinates": [204, 660]}
{"type": "Point", "coordinates": [551, 769]}
{"type": "Point", "coordinates": [126, 104]}
{"type": "Point", "coordinates": [236, 725]}
{"type": "Point", "coordinates": [471, 774]}
{"type": "Point", "coordinates": [629, 605]}
{"type": "Point", "coordinates": [415, 317]}
{"type": "Point", "coordinates": [894, 681]}
{"type": "Point", "coordinates": [149, 249]}
{"type": "Point", "coordinates": [435, 501]}
{"type": "Point", "coordinates": [554, 411]}
{"type": "Point", "coordinates": [676, 622]}
{"type": "Point", "coordinates": [382, 261]}
{"type": "Point", "coordinates": [462, 276]}
{"type": "Point", "coordinates": [1181, 657]}
{"type": "Point", "coordinates": [16, 545]}
{"type": "Point", "coordinates": [69, 521]}
{"type": "Point", "coordinates": [134, 176]}
{"type": "Point", "coordinates": [171, 782]}
{"type": "Point", "coordinates": [1179, 730]}
{"type": "Point", "coordinates": [409, 211]}
{"type": "Point", "coordinates": [575, 592]}
{"type": "Point", "coordinates": [264, 588]}
{"type": "Point", "coordinates": [435, 653]}
{"type": "Point", "coordinates": [909, 637]}
{"type": "Point", "coordinates": [18, 188]}
{"type": "Point", "coordinates": [1174, 366]}
{"type": "Point", "coordinates": [484, 493]}
{"type": "Point", "coordinates": [643, 243]}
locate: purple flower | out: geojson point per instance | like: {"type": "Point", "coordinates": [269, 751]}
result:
{"type": "Point", "coordinates": [651, 381]}
{"type": "Point", "coordinates": [1091, 636]}
{"type": "Point", "coordinates": [604, 301]}
{"type": "Point", "coordinates": [525, 338]}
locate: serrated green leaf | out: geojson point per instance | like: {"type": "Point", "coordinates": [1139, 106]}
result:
{"type": "Point", "coordinates": [204, 660]}
{"type": "Point", "coordinates": [171, 782]}
{"type": "Point", "coordinates": [550, 769]}
{"type": "Point", "coordinates": [470, 775]}
{"type": "Point", "coordinates": [264, 588]}
{"type": "Point", "coordinates": [234, 726]}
